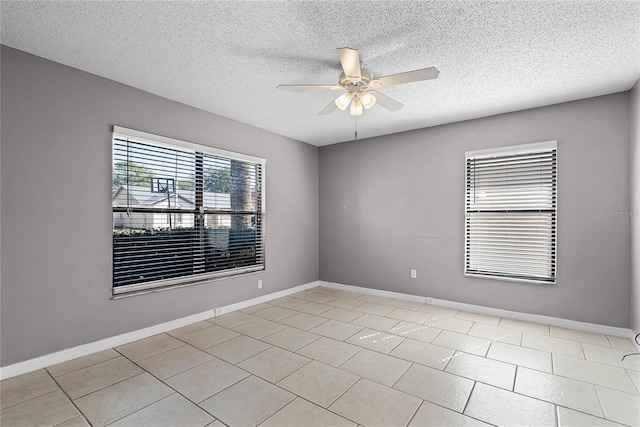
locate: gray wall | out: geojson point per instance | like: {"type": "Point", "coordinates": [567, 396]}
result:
{"type": "Point", "coordinates": [634, 114]}
{"type": "Point", "coordinates": [393, 203]}
{"type": "Point", "coordinates": [56, 207]}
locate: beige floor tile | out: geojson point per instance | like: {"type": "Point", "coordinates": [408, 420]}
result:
{"type": "Point", "coordinates": [375, 340]}
{"type": "Point", "coordinates": [449, 324]}
{"type": "Point", "coordinates": [374, 299]}
{"type": "Point", "coordinates": [273, 364]}
{"type": "Point", "coordinates": [337, 330]}
{"type": "Point", "coordinates": [372, 321]}
{"type": "Point", "coordinates": [171, 411]}
{"type": "Point", "coordinates": [209, 336]}
{"type": "Point", "coordinates": [571, 334]}
{"type": "Point", "coordinates": [621, 343]}
{"type": "Point", "coordinates": [635, 377]}
{"type": "Point", "coordinates": [342, 314]}
{"type": "Point", "coordinates": [319, 383]}
{"type": "Point", "coordinates": [348, 294]}
{"type": "Point", "coordinates": [478, 318]}
{"type": "Point", "coordinates": [247, 403]}
{"type": "Point", "coordinates": [372, 308]}
{"type": "Point", "coordinates": [291, 339]}
{"type": "Point", "coordinates": [435, 386]}
{"type": "Point", "coordinates": [481, 369]}
{"type": "Point", "coordinates": [532, 328]}
{"type": "Point", "coordinates": [82, 362]}
{"type": "Point", "coordinates": [521, 356]}
{"type": "Point", "coordinates": [466, 343]}
{"type": "Point", "coordinates": [325, 290]}
{"type": "Point", "coordinates": [409, 315]}
{"type": "Point", "coordinates": [611, 356]}
{"type": "Point", "coordinates": [436, 310]}
{"type": "Point", "coordinates": [87, 380]}
{"type": "Point", "coordinates": [303, 413]}
{"type": "Point", "coordinates": [552, 344]}
{"type": "Point", "coordinates": [346, 303]}
{"type": "Point", "coordinates": [237, 349]}
{"type": "Point", "coordinates": [78, 421]}
{"type": "Point", "coordinates": [430, 415]}
{"type": "Point", "coordinates": [318, 297]}
{"type": "Point", "coordinates": [504, 408]}
{"type": "Point", "coordinates": [407, 305]}
{"type": "Point", "coordinates": [562, 391]}
{"type": "Point", "coordinates": [313, 308]}
{"type": "Point", "coordinates": [205, 380]}
{"type": "Point", "coordinates": [329, 351]}
{"type": "Point", "coordinates": [252, 309]}
{"type": "Point", "coordinates": [172, 362]}
{"type": "Point", "coordinates": [593, 372]}
{"type": "Point", "coordinates": [237, 318]}
{"type": "Point", "coordinates": [374, 405]}
{"type": "Point", "coordinates": [184, 330]}
{"type": "Point", "coordinates": [287, 302]}
{"type": "Point", "coordinates": [303, 321]}
{"type": "Point", "coordinates": [619, 406]}
{"type": "Point", "coordinates": [148, 347]}
{"type": "Point", "coordinates": [119, 400]}
{"type": "Point", "coordinates": [259, 328]}
{"type": "Point", "coordinates": [415, 331]}
{"type": "Point", "coordinates": [423, 353]}
{"type": "Point", "coordinates": [570, 418]}
{"type": "Point", "coordinates": [24, 387]}
{"type": "Point", "coordinates": [377, 367]}
{"type": "Point", "coordinates": [496, 333]}
{"type": "Point", "coordinates": [46, 410]}
{"type": "Point", "coordinates": [275, 313]}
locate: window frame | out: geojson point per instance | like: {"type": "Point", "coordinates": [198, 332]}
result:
{"type": "Point", "coordinates": [538, 147]}
{"type": "Point", "coordinates": [123, 133]}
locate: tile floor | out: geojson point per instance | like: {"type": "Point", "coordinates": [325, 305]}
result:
{"type": "Point", "coordinates": [334, 358]}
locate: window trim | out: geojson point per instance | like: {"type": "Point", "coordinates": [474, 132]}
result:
{"type": "Point", "coordinates": [535, 147]}
{"type": "Point", "coordinates": [183, 281]}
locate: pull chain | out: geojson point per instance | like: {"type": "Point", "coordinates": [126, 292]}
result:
{"type": "Point", "coordinates": [355, 136]}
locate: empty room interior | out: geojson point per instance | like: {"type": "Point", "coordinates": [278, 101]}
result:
{"type": "Point", "coordinates": [321, 213]}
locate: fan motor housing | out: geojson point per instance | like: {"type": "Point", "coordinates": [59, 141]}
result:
{"type": "Point", "coordinates": [351, 82]}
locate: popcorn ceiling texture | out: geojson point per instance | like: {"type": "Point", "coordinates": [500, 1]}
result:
{"type": "Point", "coordinates": [228, 57]}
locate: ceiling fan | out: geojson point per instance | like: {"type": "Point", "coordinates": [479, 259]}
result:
{"type": "Point", "coordinates": [359, 85]}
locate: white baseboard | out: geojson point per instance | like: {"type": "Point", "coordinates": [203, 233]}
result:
{"type": "Point", "coordinates": [533, 318]}
{"type": "Point", "coordinates": [85, 349]}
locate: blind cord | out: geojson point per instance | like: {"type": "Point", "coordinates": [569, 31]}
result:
{"type": "Point", "coordinates": [633, 354]}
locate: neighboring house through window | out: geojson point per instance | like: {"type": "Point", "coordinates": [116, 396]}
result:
{"type": "Point", "coordinates": [183, 212]}
{"type": "Point", "coordinates": [510, 213]}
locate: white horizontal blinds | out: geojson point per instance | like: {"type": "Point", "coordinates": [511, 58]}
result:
{"type": "Point", "coordinates": [181, 214]}
{"type": "Point", "coordinates": [511, 215]}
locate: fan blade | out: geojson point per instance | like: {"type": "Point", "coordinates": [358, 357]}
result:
{"type": "Point", "coordinates": [386, 102]}
{"type": "Point", "coordinates": [408, 77]}
{"type": "Point", "coordinates": [328, 109]}
{"type": "Point", "coordinates": [350, 60]}
{"type": "Point", "coordinates": [305, 87]}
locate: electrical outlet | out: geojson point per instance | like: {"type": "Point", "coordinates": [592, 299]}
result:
{"type": "Point", "coordinates": [414, 274]}
{"type": "Point", "coordinates": [259, 284]}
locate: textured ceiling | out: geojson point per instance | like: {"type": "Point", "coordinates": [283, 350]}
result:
{"type": "Point", "coordinates": [228, 57]}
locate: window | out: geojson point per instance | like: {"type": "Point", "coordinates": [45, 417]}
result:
{"type": "Point", "coordinates": [510, 213]}
{"type": "Point", "coordinates": [183, 212]}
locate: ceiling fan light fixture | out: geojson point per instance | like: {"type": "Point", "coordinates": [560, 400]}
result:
{"type": "Point", "coordinates": [368, 100]}
{"type": "Point", "coordinates": [356, 107]}
{"type": "Point", "coordinates": [342, 102]}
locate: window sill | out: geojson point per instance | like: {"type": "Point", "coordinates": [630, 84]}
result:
{"type": "Point", "coordinates": [511, 279]}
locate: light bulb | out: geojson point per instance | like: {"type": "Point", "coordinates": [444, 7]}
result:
{"type": "Point", "coordinates": [356, 107]}
{"type": "Point", "coordinates": [368, 100]}
{"type": "Point", "coordinates": [342, 102]}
